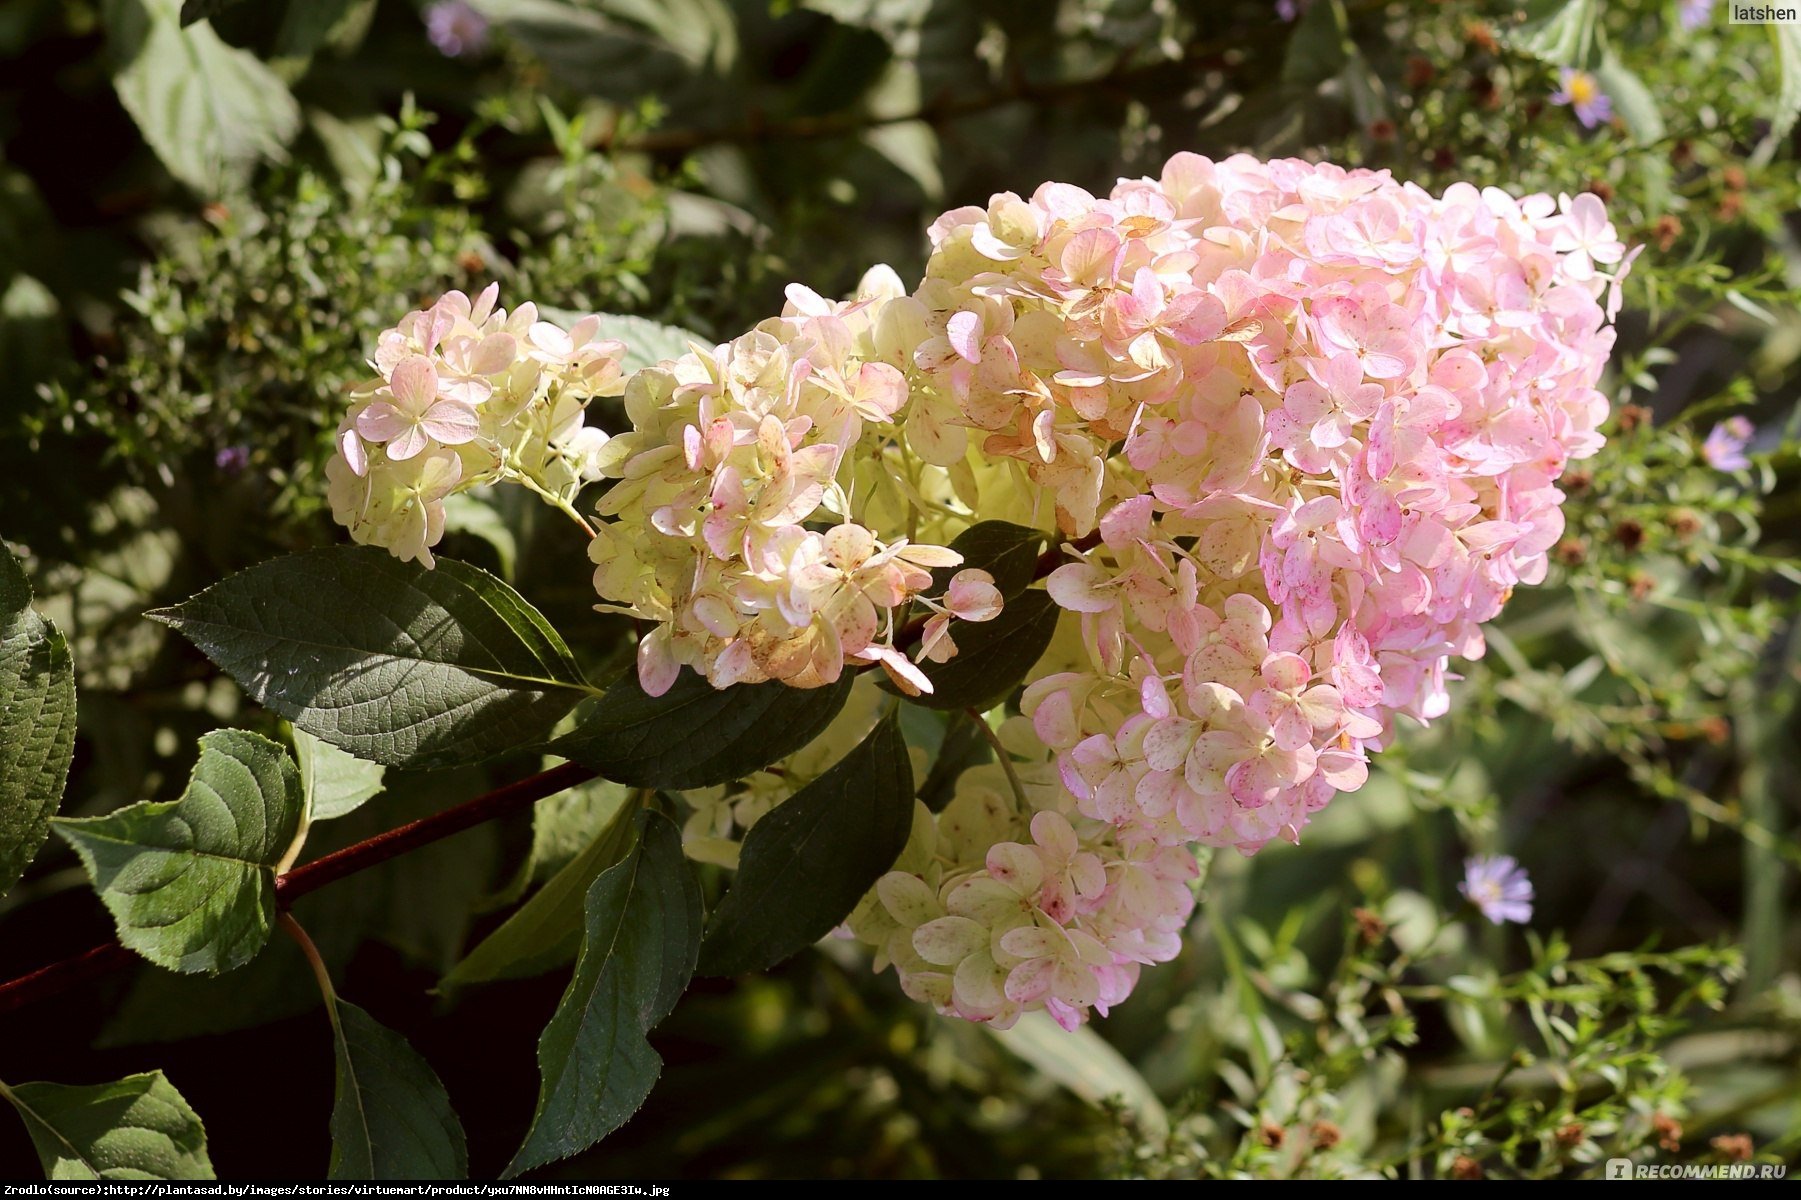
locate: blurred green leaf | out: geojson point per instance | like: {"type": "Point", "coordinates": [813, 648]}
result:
{"type": "Point", "coordinates": [200, 10]}
{"type": "Point", "coordinates": [619, 49]}
{"type": "Point", "coordinates": [209, 110]}
{"type": "Point", "coordinates": [1558, 32]}
{"type": "Point", "coordinates": [1083, 1062]}
{"type": "Point", "coordinates": [1319, 46]}
{"type": "Point", "coordinates": [1632, 100]}
{"type": "Point", "coordinates": [1787, 36]}
{"type": "Point", "coordinates": [647, 343]}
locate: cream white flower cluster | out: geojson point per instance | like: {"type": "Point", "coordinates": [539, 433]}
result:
{"type": "Point", "coordinates": [468, 394]}
{"type": "Point", "coordinates": [731, 526]}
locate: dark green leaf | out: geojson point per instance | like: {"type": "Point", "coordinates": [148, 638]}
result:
{"type": "Point", "coordinates": [309, 25]}
{"type": "Point", "coordinates": [546, 930]}
{"type": "Point", "coordinates": [618, 49]}
{"type": "Point", "coordinates": [1317, 49]}
{"type": "Point", "coordinates": [806, 864]}
{"type": "Point", "coordinates": [137, 1128]}
{"type": "Point", "coordinates": [992, 657]}
{"type": "Point", "coordinates": [694, 735]}
{"type": "Point", "coordinates": [1006, 551]}
{"type": "Point", "coordinates": [643, 919]}
{"type": "Point", "coordinates": [395, 663]}
{"type": "Point", "coordinates": [200, 10]}
{"type": "Point", "coordinates": [390, 1118]}
{"type": "Point", "coordinates": [37, 722]}
{"type": "Point", "coordinates": [191, 883]}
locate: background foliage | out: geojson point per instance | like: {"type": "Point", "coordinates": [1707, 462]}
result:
{"type": "Point", "coordinates": [182, 297]}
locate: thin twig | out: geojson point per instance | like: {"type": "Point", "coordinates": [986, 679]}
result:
{"type": "Point", "coordinates": [423, 832]}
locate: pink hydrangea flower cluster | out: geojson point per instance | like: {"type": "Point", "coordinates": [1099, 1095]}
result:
{"type": "Point", "coordinates": [467, 394]}
{"type": "Point", "coordinates": [1303, 427]}
{"type": "Point", "coordinates": [732, 454]}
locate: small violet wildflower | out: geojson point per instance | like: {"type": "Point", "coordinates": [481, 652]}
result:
{"type": "Point", "coordinates": [1724, 449]}
{"type": "Point", "coordinates": [1499, 888]}
{"type": "Point", "coordinates": [1692, 14]}
{"type": "Point", "coordinates": [232, 459]}
{"type": "Point", "coordinates": [1582, 91]}
{"type": "Point", "coordinates": [456, 29]}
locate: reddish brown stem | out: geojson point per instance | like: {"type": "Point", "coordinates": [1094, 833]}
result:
{"type": "Point", "coordinates": [395, 842]}
{"type": "Point", "coordinates": [59, 977]}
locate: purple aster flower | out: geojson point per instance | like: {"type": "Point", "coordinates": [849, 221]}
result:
{"type": "Point", "coordinates": [1290, 10]}
{"type": "Point", "coordinates": [455, 28]}
{"type": "Point", "coordinates": [1692, 14]}
{"type": "Point", "coordinates": [1724, 449]}
{"type": "Point", "coordinates": [1582, 91]}
{"type": "Point", "coordinates": [1499, 887]}
{"type": "Point", "coordinates": [232, 459]}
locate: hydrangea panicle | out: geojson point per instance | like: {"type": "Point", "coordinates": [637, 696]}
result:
{"type": "Point", "coordinates": [1298, 431]}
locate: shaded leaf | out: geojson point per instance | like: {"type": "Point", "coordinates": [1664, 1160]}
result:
{"type": "Point", "coordinates": [546, 931]}
{"type": "Point", "coordinates": [200, 10]}
{"type": "Point", "coordinates": [191, 883]}
{"type": "Point", "coordinates": [618, 49]}
{"type": "Point", "coordinates": [805, 865]}
{"type": "Point", "coordinates": [695, 735]}
{"type": "Point", "coordinates": [37, 722]}
{"type": "Point", "coordinates": [642, 929]}
{"type": "Point", "coordinates": [136, 1128]}
{"type": "Point", "coordinates": [1006, 551]}
{"type": "Point", "coordinates": [992, 657]}
{"type": "Point", "coordinates": [390, 1117]}
{"type": "Point", "coordinates": [395, 663]}
{"type": "Point", "coordinates": [562, 827]}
